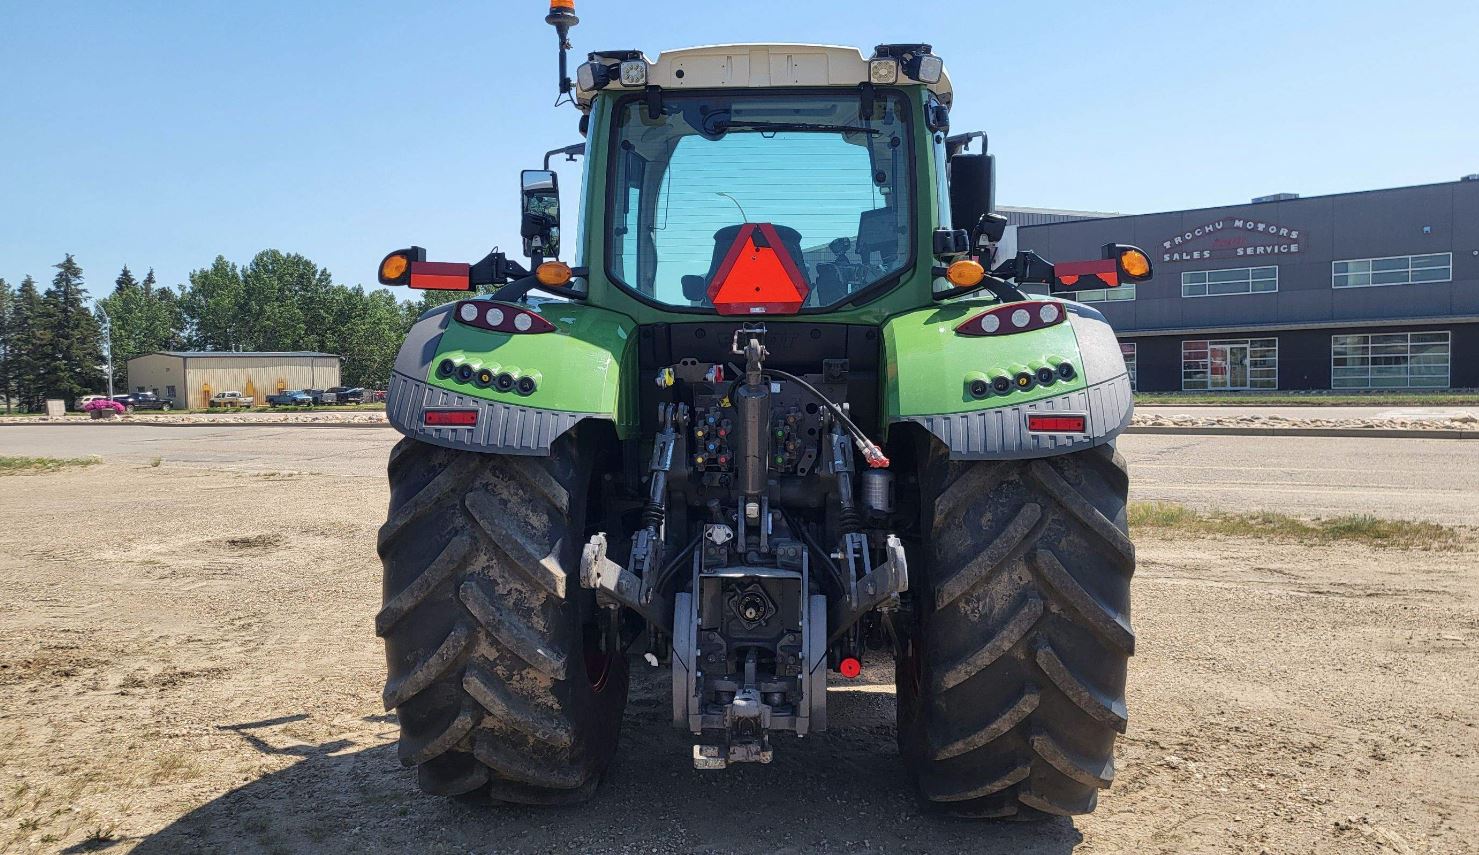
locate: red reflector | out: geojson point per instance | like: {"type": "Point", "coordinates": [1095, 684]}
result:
{"type": "Point", "coordinates": [1057, 424]}
{"type": "Point", "coordinates": [440, 275]}
{"type": "Point", "coordinates": [450, 418]}
{"type": "Point", "coordinates": [758, 276]}
{"type": "Point", "coordinates": [850, 667]}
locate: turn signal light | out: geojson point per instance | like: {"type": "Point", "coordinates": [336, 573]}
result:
{"type": "Point", "coordinates": [965, 273]}
{"type": "Point", "coordinates": [1048, 423]}
{"type": "Point", "coordinates": [450, 418]}
{"type": "Point", "coordinates": [553, 273]}
{"type": "Point", "coordinates": [395, 268]}
{"type": "Point", "coordinates": [1134, 264]}
{"type": "Point", "coordinates": [500, 317]}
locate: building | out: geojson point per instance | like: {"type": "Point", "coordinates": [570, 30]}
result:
{"type": "Point", "coordinates": [1369, 290]}
{"type": "Point", "coordinates": [188, 378]}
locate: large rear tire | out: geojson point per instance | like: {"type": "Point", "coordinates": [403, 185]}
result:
{"type": "Point", "coordinates": [499, 669]}
{"type": "Point", "coordinates": [1011, 681]}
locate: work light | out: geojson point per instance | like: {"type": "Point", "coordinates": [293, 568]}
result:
{"type": "Point", "coordinates": [924, 67]}
{"type": "Point", "coordinates": [883, 72]}
{"type": "Point", "coordinates": [634, 73]}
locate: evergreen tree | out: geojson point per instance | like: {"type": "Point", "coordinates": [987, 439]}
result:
{"type": "Point", "coordinates": [145, 319]}
{"type": "Point", "coordinates": [29, 345]}
{"type": "Point", "coordinates": [74, 352]}
{"type": "Point", "coordinates": [124, 309]}
{"type": "Point", "coordinates": [7, 309]}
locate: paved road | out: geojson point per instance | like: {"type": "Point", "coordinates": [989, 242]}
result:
{"type": "Point", "coordinates": [1311, 412]}
{"type": "Point", "coordinates": [1432, 479]}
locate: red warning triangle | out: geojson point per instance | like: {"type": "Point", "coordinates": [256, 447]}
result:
{"type": "Point", "coordinates": [758, 276]}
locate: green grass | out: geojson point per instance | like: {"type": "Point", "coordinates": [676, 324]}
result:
{"type": "Point", "coordinates": [1170, 519]}
{"type": "Point", "coordinates": [1311, 399]}
{"type": "Point", "coordinates": [42, 465]}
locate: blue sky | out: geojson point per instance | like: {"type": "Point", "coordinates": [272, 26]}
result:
{"type": "Point", "coordinates": [164, 133]}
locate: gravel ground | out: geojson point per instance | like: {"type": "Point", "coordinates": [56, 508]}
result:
{"type": "Point", "coordinates": [189, 665]}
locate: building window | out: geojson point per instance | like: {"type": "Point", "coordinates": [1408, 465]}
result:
{"type": "Point", "coordinates": [1390, 360]}
{"type": "Point", "coordinates": [1245, 363]}
{"type": "Point", "coordinates": [1127, 350]}
{"type": "Point", "coordinates": [1236, 280]}
{"type": "Point", "coordinates": [169, 392]}
{"type": "Point", "coordinates": [1396, 270]}
{"type": "Point", "coordinates": [1104, 295]}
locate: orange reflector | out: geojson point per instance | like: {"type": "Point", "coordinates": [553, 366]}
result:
{"type": "Point", "coordinates": [1134, 263]}
{"type": "Point", "coordinates": [1045, 423]}
{"type": "Point", "coordinates": [850, 667]}
{"type": "Point", "coordinates": [552, 273]}
{"type": "Point", "coordinates": [440, 276]}
{"type": "Point", "coordinates": [450, 418]}
{"type": "Point", "coordinates": [394, 267]}
{"type": "Point", "coordinates": [562, 5]}
{"type": "Point", "coordinates": [965, 273]}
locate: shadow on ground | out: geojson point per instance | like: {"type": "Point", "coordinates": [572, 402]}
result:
{"type": "Point", "coordinates": [844, 791]}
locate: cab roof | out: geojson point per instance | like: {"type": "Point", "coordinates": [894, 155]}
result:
{"type": "Point", "coordinates": [744, 66]}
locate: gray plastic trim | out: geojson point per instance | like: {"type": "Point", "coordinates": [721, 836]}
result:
{"type": "Point", "coordinates": [1001, 433]}
{"type": "Point", "coordinates": [501, 428]}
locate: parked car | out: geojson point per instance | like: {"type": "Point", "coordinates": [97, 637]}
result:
{"type": "Point", "coordinates": [317, 395]}
{"type": "Point", "coordinates": [148, 401]}
{"type": "Point", "coordinates": [83, 401]}
{"type": "Point", "coordinates": [344, 395]}
{"type": "Point", "coordinates": [290, 398]}
{"type": "Point", "coordinates": [230, 399]}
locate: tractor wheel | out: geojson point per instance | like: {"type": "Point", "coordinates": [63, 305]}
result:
{"type": "Point", "coordinates": [1011, 683]}
{"type": "Point", "coordinates": [500, 670]}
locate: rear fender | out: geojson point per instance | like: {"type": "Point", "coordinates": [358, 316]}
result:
{"type": "Point", "coordinates": [583, 370]}
{"type": "Point", "coordinates": [930, 368]}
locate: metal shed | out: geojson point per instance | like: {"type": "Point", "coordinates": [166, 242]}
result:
{"type": "Point", "coordinates": [188, 378]}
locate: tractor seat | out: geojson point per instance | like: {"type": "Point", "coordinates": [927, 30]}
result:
{"type": "Point", "coordinates": [696, 288]}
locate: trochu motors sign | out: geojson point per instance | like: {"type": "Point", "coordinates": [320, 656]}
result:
{"type": "Point", "coordinates": [1231, 237]}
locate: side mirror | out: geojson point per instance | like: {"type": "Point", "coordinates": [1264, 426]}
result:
{"type": "Point", "coordinates": [973, 193]}
{"type": "Point", "coordinates": [539, 202]}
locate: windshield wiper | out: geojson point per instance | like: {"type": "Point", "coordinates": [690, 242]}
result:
{"type": "Point", "coordinates": [722, 126]}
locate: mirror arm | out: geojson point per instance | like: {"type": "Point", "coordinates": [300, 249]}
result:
{"type": "Point", "coordinates": [570, 151]}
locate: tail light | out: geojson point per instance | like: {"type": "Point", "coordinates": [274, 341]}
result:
{"type": "Point", "coordinates": [450, 418]}
{"type": "Point", "coordinates": [1049, 423]}
{"type": "Point", "coordinates": [500, 317]}
{"type": "Point", "coordinates": [1014, 318]}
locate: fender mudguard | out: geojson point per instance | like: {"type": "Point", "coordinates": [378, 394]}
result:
{"type": "Point", "coordinates": [930, 368]}
{"type": "Point", "coordinates": [583, 370]}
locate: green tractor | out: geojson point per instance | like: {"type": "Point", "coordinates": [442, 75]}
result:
{"type": "Point", "coordinates": [782, 406]}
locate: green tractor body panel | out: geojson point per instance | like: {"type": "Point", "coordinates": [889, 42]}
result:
{"type": "Point", "coordinates": [585, 369]}
{"type": "Point", "coordinates": [930, 369]}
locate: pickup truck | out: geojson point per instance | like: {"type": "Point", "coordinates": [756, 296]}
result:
{"type": "Point", "coordinates": [230, 399]}
{"type": "Point", "coordinates": [290, 398]}
{"type": "Point", "coordinates": [144, 401]}
{"type": "Point", "coordinates": [344, 395]}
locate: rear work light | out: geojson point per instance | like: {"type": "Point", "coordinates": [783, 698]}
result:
{"type": "Point", "coordinates": [1048, 423]}
{"type": "Point", "coordinates": [450, 418]}
{"type": "Point", "coordinates": [1014, 318]}
{"type": "Point", "coordinates": [500, 317]}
